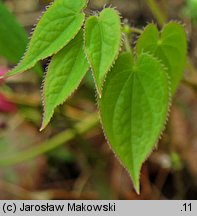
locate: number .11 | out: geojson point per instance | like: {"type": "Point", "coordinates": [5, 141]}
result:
{"type": "Point", "coordinates": [187, 207]}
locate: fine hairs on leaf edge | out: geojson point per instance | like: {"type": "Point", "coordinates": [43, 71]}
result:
{"type": "Point", "coordinates": [160, 31]}
{"type": "Point", "coordinates": [45, 75]}
{"type": "Point", "coordinates": [43, 126]}
{"type": "Point", "coordinates": [144, 28]}
{"type": "Point", "coordinates": [161, 132]}
{"type": "Point", "coordinates": [159, 60]}
{"type": "Point", "coordinates": [99, 92]}
{"type": "Point", "coordinates": [30, 37]}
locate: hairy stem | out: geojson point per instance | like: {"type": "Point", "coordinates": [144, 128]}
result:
{"type": "Point", "coordinates": [127, 44]}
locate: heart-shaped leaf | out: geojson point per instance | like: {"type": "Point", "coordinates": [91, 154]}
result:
{"type": "Point", "coordinates": [56, 28]}
{"type": "Point", "coordinates": [170, 46]}
{"type": "Point", "coordinates": [133, 108]}
{"type": "Point", "coordinates": [65, 72]}
{"type": "Point", "coordinates": [102, 43]}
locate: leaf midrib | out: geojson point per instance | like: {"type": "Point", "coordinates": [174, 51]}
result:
{"type": "Point", "coordinates": [115, 106]}
{"type": "Point", "coordinates": [73, 65]}
{"type": "Point", "coordinates": [38, 57]}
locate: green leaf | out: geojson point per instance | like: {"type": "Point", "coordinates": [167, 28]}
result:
{"type": "Point", "coordinates": [169, 45]}
{"type": "Point", "coordinates": [65, 73]}
{"type": "Point", "coordinates": [13, 37]}
{"type": "Point", "coordinates": [133, 109]}
{"type": "Point", "coordinates": [102, 43]}
{"type": "Point", "coordinates": [56, 28]}
{"type": "Point", "coordinates": [190, 9]}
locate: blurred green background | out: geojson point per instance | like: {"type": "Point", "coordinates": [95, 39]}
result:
{"type": "Point", "coordinates": [71, 158]}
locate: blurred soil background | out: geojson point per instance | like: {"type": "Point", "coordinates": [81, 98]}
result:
{"type": "Point", "coordinates": [71, 158]}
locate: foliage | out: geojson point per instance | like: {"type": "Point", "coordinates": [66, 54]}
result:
{"type": "Point", "coordinates": [11, 31]}
{"type": "Point", "coordinates": [134, 100]}
{"type": "Point", "coordinates": [102, 43]}
{"type": "Point", "coordinates": [13, 37]}
{"type": "Point", "coordinates": [190, 10]}
{"type": "Point", "coordinates": [164, 46]}
{"type": "Point", "coordinates": [134, 127]}
{"type": "Point", "coordinates": [66, 70]}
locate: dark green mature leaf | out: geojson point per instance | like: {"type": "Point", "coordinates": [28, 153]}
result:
{"type": "Point", "coordinates": [170, 46]}
{"type": "Point", "coordinates": [65, 72]}
{"type": "Point", "coordinates": [133, 108]}
{"type": "Point", "coordinates": [13, 38]}
{"type": "Point", "coordinates": [102, 43]}
{"type": "Point", "coordinates": [56, 28]}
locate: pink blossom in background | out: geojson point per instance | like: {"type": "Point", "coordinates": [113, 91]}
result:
{"type": "Point", "coordinates": [3, 70]}
{"type": "Point", "coordinates": [5, 104]}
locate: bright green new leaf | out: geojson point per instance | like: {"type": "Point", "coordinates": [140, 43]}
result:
{"type": "Point", "coordinates": [169, 46]}
{"type": "Point", "coordinates": [102, 43]}
{"type": "Point", "coordinates": [65, 72]}
{"type": "Point", "coordinates": [133, 108]}
{"type": "Point", "coordinates": [56, 28]}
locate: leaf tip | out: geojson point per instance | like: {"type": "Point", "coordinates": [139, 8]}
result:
{"type": "Point", "coordinates": [45, 120]}
{"type": "Point", "coordinates": [99, 94]}
{"type": "Point", "coordinates": [137, 187]}
{"type": "Point", "coordinates": [43, 125]}
{"type": "Point", "coordinates": [41, 128]}
{"type": "Point", "coordinates": [136, 182]}
{"type": "Point", "coordinates": [98, 88]}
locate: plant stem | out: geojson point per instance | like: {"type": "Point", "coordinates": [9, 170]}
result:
{"type": "Point", "coordinates": [127, 30]}
{"type": "Point", "coordinates": [157, 12]}
{"type": "Point", "coordinates": [56, 141]}
{"type": "Point", "coordinates": [127, 44]}
{"type": "Point", "coordinates": [136, 30]}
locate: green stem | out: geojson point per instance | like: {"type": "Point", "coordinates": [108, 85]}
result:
{"type": "Point", "coordinates": [127, 30]}
{"type": "Point", "coordinates": [136, 30]}
{"type": "Point", "coordinates": [157, 12]}
{"type": "Point", "coordinates": [56, 141]}
{"type": "Point", "coordinates": [127, 44]}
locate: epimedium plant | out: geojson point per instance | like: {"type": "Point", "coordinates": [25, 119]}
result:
{"type": "Point", "coordinates": [134, 90]}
